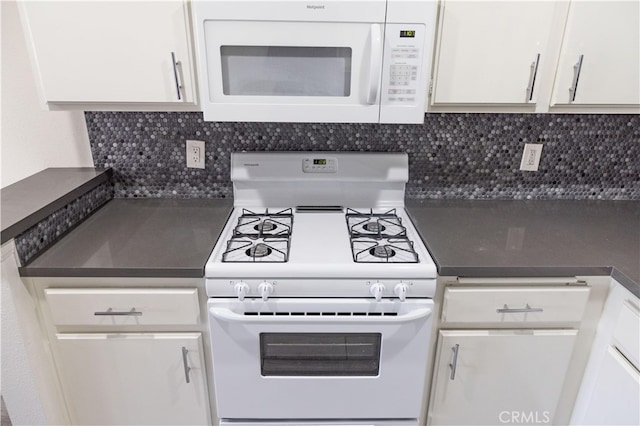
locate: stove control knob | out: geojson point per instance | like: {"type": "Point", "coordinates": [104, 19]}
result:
{"type": "Point", "coordinates": [241, 289]}
{"type": "Point", "coordinates": [376, 290]}
{"type": "Point", "coordinates": [265, 288]}
{"type": "Point", "coordinates": [400, 290]}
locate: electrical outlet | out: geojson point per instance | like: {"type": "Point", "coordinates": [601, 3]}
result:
{"type": "Point", "coordinates": [531, 157]}
{"type": "Point", "coordinates": [195, 154]}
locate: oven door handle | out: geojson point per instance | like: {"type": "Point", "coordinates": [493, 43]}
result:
{"type": "Point", "coordinates": [228, 315]}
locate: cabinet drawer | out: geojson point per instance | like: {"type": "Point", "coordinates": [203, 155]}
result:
{"type": "Point", "coordinates": [122, 306]}
{"type": "Point", "coordinates": [514, 305]}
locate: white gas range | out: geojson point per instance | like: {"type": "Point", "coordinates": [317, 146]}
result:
{"type": "Point", "coordinates": [320, 293]}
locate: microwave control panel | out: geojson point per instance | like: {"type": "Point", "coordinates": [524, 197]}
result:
{"type": "Point", "coordinates": [403, 50]}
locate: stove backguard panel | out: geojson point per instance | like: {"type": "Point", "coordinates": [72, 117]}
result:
{"type": "Point", "coordinates": [585, 156]}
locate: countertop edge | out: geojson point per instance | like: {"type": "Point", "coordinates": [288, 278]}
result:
{"type": "Point", "coordinates": [626, 282]}
{"type": "Point", "coordinates": [22, 225]}
{"type": "Point", "coordinates": [26, 271]}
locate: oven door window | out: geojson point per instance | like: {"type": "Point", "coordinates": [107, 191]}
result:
{"type": "Point", "coordinates": [286, 71]}
{"type": "Point", "coordinates": [320, 354]}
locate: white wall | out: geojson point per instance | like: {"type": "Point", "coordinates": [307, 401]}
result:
{"type": "Point", "coordinates": [32, 138]}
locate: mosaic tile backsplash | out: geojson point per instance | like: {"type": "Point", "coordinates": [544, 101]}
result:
{"type": "Point", "coordinates": [450, 155]}
{"type": "Point", "coordinates": [47, 231]}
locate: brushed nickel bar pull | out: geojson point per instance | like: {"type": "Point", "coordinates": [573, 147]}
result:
{"type": "Point", "coordinates": [175, 74]}
{"type": "Point", "coordinates": [185, 363]}
{"type": "Point", "coordinates": [576, 75]}
{"type": "Point", "coordinates": [110, 312]}
{"type": "Point", "coordinates": [532, 77]}
{"type": "Point", "coordinates": [526, 309]}
{"type": "Point", "coordinates": [454, 362]}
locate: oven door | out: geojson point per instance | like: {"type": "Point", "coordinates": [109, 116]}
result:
{"type": "Point", "coordinates": [319, 358]}
{"type": "Point", "coordinates": [290, 71]}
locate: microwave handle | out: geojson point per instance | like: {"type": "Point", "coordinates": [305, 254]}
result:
{"type": "Point", "coordinates": [375, 62]}
{"type": "Point", "coordinates": [228, 315]}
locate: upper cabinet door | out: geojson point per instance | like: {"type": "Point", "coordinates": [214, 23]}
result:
{"type": "Point", "coordinates": [491, 52]}
{"type": "Point", "coordinates": [600, 57]}
{"type": "Point", "coordinates": [110, 51]}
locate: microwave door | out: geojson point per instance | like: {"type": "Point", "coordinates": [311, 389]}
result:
{"type": "Point", "coordinates": [292, 71]}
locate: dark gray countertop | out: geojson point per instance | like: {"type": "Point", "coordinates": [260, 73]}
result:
{"type": "Point", "coordinates": [30, 200]}
{"type": "Point", "coordinates": [490, 238]}
{"type": "Point", "coordinates": [138, 238]}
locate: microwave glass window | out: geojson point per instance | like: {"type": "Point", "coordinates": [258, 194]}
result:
{"type": "Point", "coordinates": [320, 354]}
{"type": "Point", "coordinates": [286, 71]}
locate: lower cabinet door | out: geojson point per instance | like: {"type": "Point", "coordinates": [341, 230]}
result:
{"type": "Point", "coordinates": [493, 377]}
{"type": "Point", "coordinates": [133, 378]}
{"type": "Point", "coordinates": [616, 395]}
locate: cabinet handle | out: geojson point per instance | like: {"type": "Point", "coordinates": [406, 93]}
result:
{"type": "Point", "coordinates": [532, 77]}
{"type": "Point", "coordinates": [185, 363]}
{"type": "Point", "coordinates": [576, 75]}
{"type": "Point", "coordinates": [507, 310]}
{"type": "Point", "coordinates": [454, 361]}
{"type": "Point", "coordinates": [375, 62]}
{"type": "Point", "coordinates": [175, 74]}
{"type": "Point", "coordinates": [110, 311]}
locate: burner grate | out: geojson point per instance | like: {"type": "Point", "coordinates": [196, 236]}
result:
{"type": "Point", "coordinates": [264, 225]}
{"type": "Point", "coordinates": [247, 249]}
{"type": "Point", "coordinates": [390, 250]}
{"type": "Point", "coordinates": [379, 237]}
{"type": "Point", "coordinates": [375, 225]}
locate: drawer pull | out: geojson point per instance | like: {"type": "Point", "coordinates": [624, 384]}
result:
{"type": "Point", "coordinates": [526, 309]}
{"type": "Point", "coordinates": [454, 361]}
{"type": "Point", "coordinates": [185, 363]}
{"type": "Point", "coordinates": [110, 311]}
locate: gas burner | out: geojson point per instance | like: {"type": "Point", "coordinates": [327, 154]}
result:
{"type": "Point", "coordinates": [383, 252]}
{"type": "Point", "coordinates": [386, 224]}
{"type": "Point", "coordinates": [259, 250]}
{"type": "Point", "coordinates": [247, 249]}
{"type": "Point", "coordinates": [263, 225]}
{"type": "Point", "coordinates": [374, 227]}
{"type": "Point", "coordinates": [391, 250]}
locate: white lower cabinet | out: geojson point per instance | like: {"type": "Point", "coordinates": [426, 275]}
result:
{"type": "Point", "coordinates": [489, 377]}
{"type": "Point", "coordinates": [133, 378]}
{"type": "Point", "coordinates": [616, 398]}
{"type": "Point", "coordinates": [129, 351]}
{"type": "Point", "coordinates": [610, 390]}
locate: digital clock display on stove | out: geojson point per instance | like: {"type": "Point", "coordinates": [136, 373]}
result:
{"type": "Point", "coordinates": [320, 161]}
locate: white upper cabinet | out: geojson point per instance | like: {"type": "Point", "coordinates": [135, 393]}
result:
{"type": "Point", "coordinates": [111, 52]}
{"type": "Point", "coordinates": [600, 58]}
{"type": "Point", "coordinates": [491, 52]}
{"type": "Point", "coordinates": [537, 56]}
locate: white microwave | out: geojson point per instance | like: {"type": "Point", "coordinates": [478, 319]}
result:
{"type": "Point", "coordinates": [340, 61]}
